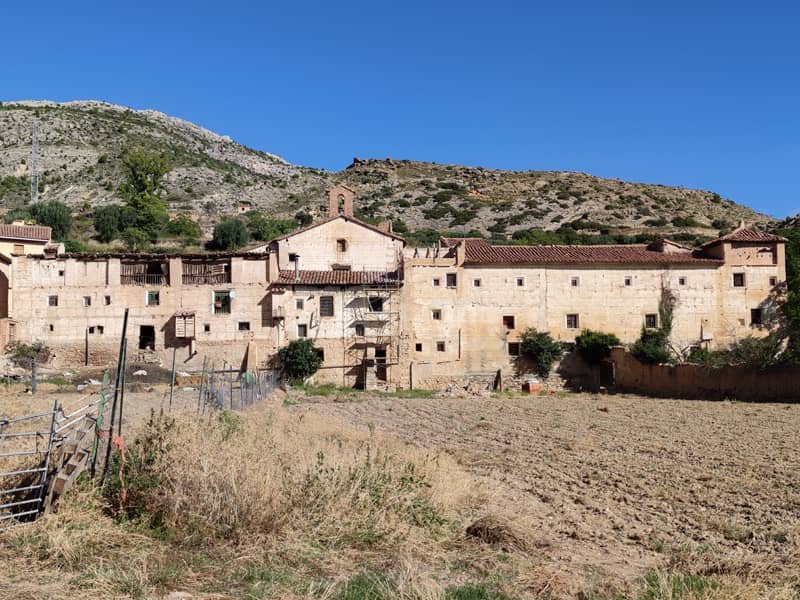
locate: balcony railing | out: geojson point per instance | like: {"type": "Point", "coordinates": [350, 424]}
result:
{"type": "Point", "coordinates": [144, 279]}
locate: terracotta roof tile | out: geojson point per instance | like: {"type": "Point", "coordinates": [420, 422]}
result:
{"type": "Point", "coordinates": [26, 232]}
{"type": "Point", "coordinates": [746, 235]}
{"type": "Point", "coordinates": [333, 218]}
{"type": "Point", "coordinates": [480, 252]}
{"type": "Point", "coordinates": [287, 277]}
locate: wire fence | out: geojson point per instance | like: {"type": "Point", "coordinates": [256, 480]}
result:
{"type": "Point", "coordinates": [234, 390]}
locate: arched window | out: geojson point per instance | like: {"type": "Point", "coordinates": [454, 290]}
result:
{"type": "Point", "coordinates": [340, 204]}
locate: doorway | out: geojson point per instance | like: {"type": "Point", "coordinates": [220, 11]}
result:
{"type": "Point", "coordinates": [147, 337]}
{"type": "Point", "coordinates": [380, 363]}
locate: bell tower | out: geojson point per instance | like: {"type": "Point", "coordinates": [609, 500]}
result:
{"type": "Point", "coordinates": [340, 201]}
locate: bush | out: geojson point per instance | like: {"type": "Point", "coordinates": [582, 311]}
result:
{"type": "Point", "coordinates": [75, 246]}
{"type": "Point", "coordinates": [264, 228]}
{"type": "Point", "coordinates": [542, 349]}
{"type": "Point", "coordinates": [53, 214]}
{"type": "Point", "coordinates": [685, 222]}
{"type": "Point", "coordinates": [594, 346]}
{"type": "Point", "coordinates": [229, 234]}
{"type": "Point", "coordinates": [298, 359]}
{"type": "Point", "coordinates": [135, 239]}
{"type": "Point", "coordinates": [651, 348]}
{"type": "Point", "coordinates": [184, 227]}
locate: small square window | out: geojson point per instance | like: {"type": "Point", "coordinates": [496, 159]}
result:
{"type": "Point", "coordinates": [51, 327]}
{"type": "Point", "coordinates": [451, 280]}
{"type": "Point", "coordinates": [756, 316]}
{"type": "Point", "coordinates": [244, 325]}
{"type": "Point", "coordinates": [326, 306]}
{"type": "Point", "coordinates": [341, 245]}
{"type": "Point", "coordinates": [773, 281]}
{"type": "Point", "coordinates": [437, 282]}
{"type": "Point", "coordinates": [321, 353]}
{"type": "Point", "coordinates": [440, 346]}
{"type": "Point", "coordinates": [360, 330]}
{"type": "Point", "coordinates": [681, 280]}
{"type": "Point", "coordinates": [573, 321]}
{"type": "Point", "coordinates": [520, 282]}
{"type": "Point", "coordinates": [628, 281]}
{"type": "Point", "coordinates": [87, 300]}
{"type": "Point", "coordinates": [292, 257]}
{"type": "Point", "coordinates": [574, 281]}
{"type": "Point", "coordinates": [298, 304]}
{"type": "Point", "coordinates": [222, 302]}
{"type": "Point", "coordinates": [436, 314]}
{"type": "Point", "coordinates": [508, 321]}
{"type": "Point", "coordinates": [206, 327]}
{"type": "Point", "coordinates": [153, 298]}
{"type": "Point", "coordinates": [100, 329]}
{"type": "Point", "coordinates": [302, 330]}
{"type": "Point", "coordinates": [418, 347]}
{"type": "Point", "coordinates": [61, 273]}
{"type": "Point", "coordinates": [651, 321]}
{"type": "Point", "coordinates": [91, 330]}
{"type": "Point", "coordinates": [375, 304]}
{"type": "Point", "coordinates": [476, 283]}
{"type": "Point", "coordinates": [513, 348]}
{"type": "Point", "coordinates": [738, 280]}
{"type": "Point", "coordinates": [52, 301]}
{"type": "Point", "coordinates": [107, 300]}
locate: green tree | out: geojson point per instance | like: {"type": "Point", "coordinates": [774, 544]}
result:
{"type": "Point", "coordinates": [28, 355]}
{"type": "Point", "coordinates": [298, 359]}
{"type": "Point", "coordinates": [541, 348]}
{"type": "Point", "coordinates": [594, 346]}
{"type": "Point", "coordinates": [264, 228]}
{"type": "Point", "coordinates": [229, 234]}
{"type": "Point", "coordinates": [135, 239]}
{"type": "Point", "coordinates": [142, 189]}
{"type": "Point", "coordinates": [53, 214]}
{"type": "Point", "coordinates": [184, 227]}
{"type": "Point", "coordinates": [791, 308]}
{"type": "Point", "coordinates": [106, 222]}
{"type": "Point", "coordinates": [303, 218]}
{"type": "Point", "coordinates": [651, 348]}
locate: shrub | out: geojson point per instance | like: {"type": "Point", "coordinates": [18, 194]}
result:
{"type": "Point", "coordinates": [264, 228]}
{"type": "Point", "coordinates": [303, 218]}
{"type": "Point", "coordinates": [298, 359]}
{"type": "Point", "coordinates": [685, 222]}
{"type": "Point", "coordinates": [135, 239]}
{"type": "Point", "coordinates": [229, 234]}
{"type": "Point", "coordinates": [109, 221]}
{"type": "Point", "coordinates": [75, 246]}
{"type": "Point", "coordinates": [594, 346]}
{"type": "Point", "coordinates": [53, 214]}
{"type": "Point", "coordinates": [541, 348]}
{"type": "Point", "coordinates": [651, 347]}
{"type": "Point", "coordinates": [184, 227]}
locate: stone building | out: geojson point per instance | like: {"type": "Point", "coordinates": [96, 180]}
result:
{"type": "Point", "coordinates": [379, 312]}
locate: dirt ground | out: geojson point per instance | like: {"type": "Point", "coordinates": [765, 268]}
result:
{"type": "Point", "coordinates": [613, 486]}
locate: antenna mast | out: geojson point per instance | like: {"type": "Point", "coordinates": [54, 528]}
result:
{"type": "Point", "coordinates": [34, 169]}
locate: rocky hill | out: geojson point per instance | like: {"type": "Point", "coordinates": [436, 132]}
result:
{"type": "Point", "coordinates": [81, 144]}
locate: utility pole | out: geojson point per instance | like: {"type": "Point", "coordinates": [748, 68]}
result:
{"type": "Point", "coordinates": [34, 166]}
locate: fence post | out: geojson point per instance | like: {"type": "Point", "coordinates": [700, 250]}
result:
{"type": "Point", "coordinates": [43, 478]}
{"type": "Point", "coordinates": [172, 379]}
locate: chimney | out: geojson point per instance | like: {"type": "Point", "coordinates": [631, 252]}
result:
{"type": "Point", "coordinates": [297, 267]}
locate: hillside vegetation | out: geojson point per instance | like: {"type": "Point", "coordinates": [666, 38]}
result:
{"type": "Point", "coordinates": [82, 145]}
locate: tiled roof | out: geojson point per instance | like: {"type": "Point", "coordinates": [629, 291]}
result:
{"type": "Point", "coordinates": [26, 232]}
{"type": "Point", "coordinates": [480, 252]}
{"type": "Point", "coordinates": [333, 218]}
{"type": "Point", "coordinates": [338, 278]}
{"type": "Point", "coordinates": [746, 235]}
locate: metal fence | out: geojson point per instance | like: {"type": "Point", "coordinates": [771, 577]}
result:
{"type": "Point", "coordinates": [229, 389]}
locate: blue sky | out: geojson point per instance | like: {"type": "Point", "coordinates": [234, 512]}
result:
{"type": "Point", "coordinates": [697, 94]}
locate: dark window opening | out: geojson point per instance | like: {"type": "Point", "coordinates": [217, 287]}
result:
{"type": "Point", "coordinates": [651, 321]}
{"type": "Point", "coordinates": [298, 304]}
{"type": "Point", "coordinates": [244, 325]}
{"type": "Point", "coordinates": [508, 321]}
{"type": "Point", "coordinates": [360, 330]}
{"type": "Point", "coordinates": [61, 273]}
{"type": "Point", "coordinates": [756, 316]}
{"type": "Point", "coordinates": [520, 281]}
{"type": "Point", "coordinates": [573, 322]}
{"type": "Point", "coordinates": [326, 306]}
{"type": "Point", "coordinates": [380, 363]}
{"type": "Point", "coordinates": [436, 282]}
{"type": "Point", "coordinates": [292, 257]}
{"type": "Point", "coordinates": [513, 348]}
{"type": "Point", "coordinates": [738, 280]}
{"type": "Point", "coordinates": [375, 304]}
{"type": "Point", "coordinates": [440, 346]}
{"type": "Point", "coordinates": [52, 301]}
{"type": "Point", "coordinates": [476, 283]}
{"type": "Point", "coordinates": [773, 281]}
{"type": "Point", "coordinates": [575, 281]}
{"type": "Point", "coordinates": [302, 330]}
{"type": "Point", "coordinates": [341, 245]}
{"type": "Point", "coordinates": [91, 330]}
{"type": "Point", "coordinates": [107, 300]}
{"type": "Point", "coordinates": [147, 337]}
{"type": "Point", "coordinates": [681, 280]}
{"type": "Point", "coordinates": [206, 327]}
{"type": "Point", "coordinates": [100, 329]}
{"type": "Point", "coordinates": [153, 298]}
{"type": "Point", "coordinates": [628, 281]}
{"type": "Point", "coordinates": [321, 353]}
{"type": "Point", "coordinates": [436, 314]}
{"type": "Point", "coordinates": [51, 327]}
{"type": "Point", "coordinates": [222, 303]}
{"type": "Point", "coordinates": [418, 347]}
{"type": "Point", "coordinates": [451, 280]}
{"type": "Point", "coordinates": [87, 300]}
{"type": "Point", "coordinates": [342, 267]}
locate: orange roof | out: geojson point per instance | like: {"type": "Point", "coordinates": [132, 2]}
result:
{"type": "Point", "coordinates": [333, 218]}
{"type": "Point", "coordinates": [38, 233]}
{"type": "Point", "coordinates": [480, 252]}
{"type": "Point", "coordinates": [746, 235]}
{"type": "Point", "coordinates": [287, 277]}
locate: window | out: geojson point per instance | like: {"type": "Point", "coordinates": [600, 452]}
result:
{"type": "Point", "coordinates": [651, 321]}
{"type": "Point", "coordinates": [87, 300]}
{"type": "Point", "coordinates": [61, 273]}
{"type": "Point", "coordinates": [292, 257]}
{"type": "Point", "coordinates": [244, 325]}
{"type": "Point", "coordinates": [476, 283]}
{"type": "Point", "coordinates": [222, 303]}
{"type": "Point", "coordinates": [681, 280]}
{"type": "Point", "coordinates": [302, 330]}
{"type": "Point", "coordinates": [440, 346]}
{"type": "Point", "coordinates": [91, 330]}
{"type": "Point", "coordinates": [326, 306]}
{"type": "Point", "coordinates": [437, 282]}
{"type": "Point", "coordinates": [773, 281]}
{"type": "Point", "coordinates": [418, 347]}
{"type": "Point", "coordinates": [375, 304]}
{"type": "Point", "coordinates": [107, 300]}
{"type": "Point", "coordinates": [19, 248]}
{"type": "Point", "coordinates": [342, 267]}
{"type": "Point", "coordinates": [628, 281]}
{"type": "Point", "coordinates": [738, 280]}
{"type": "Point", "coordinates": [153, 298]}
{"type": "Point", "coordinates": [451, 280]}
{"type": "Point", "coordinates": [341, 245]}
{"type": "Point", "coordinates": [436, 314]}
{"type": "Point", "coordinates": [206, 328]}
{"type": "Point", "coordinates": [298, 304]}
{"type": "Point", "coordinates": [147, 337]}
{"type": "Point", "coordinates": [51, 327]}
{"type": "Point", "coordinates": [360, 330]}
{"type": "Point", "coordinates": [513, 348]}
{"type": "Point", "coordinates": [520, 282]}
{"type": "Point", "coordinates": [756, 316]}
{"type": "Point", "coordinates": [52, 301]}
{"type": "Point", "coordinates": [100, 329]}
{"type": "Point", "coordinates": [508, 321]}
{"type": "Point", "coordinates": [321, 353]}
{"type": "Point", "coordinates": [574, 281]}
{"type": "Point", "coordinates": [573, 322]}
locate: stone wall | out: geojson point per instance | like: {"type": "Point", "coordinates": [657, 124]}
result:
{"type": "Point", "coordinates": [698, 382]}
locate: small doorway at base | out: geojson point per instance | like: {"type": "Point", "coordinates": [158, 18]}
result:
{"type": "Point", "coordinates": [147, 337]}
{"type": "Point", "coordinates": [380, 363]}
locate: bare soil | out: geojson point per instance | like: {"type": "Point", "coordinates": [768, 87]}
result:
{"type": "Point", "coordinates": [615, 486]}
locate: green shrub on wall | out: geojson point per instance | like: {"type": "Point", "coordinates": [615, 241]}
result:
{"type": "Point", "coordinates": [542, 349]}
{"type": "Point", "coordinates": [594, 346]}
